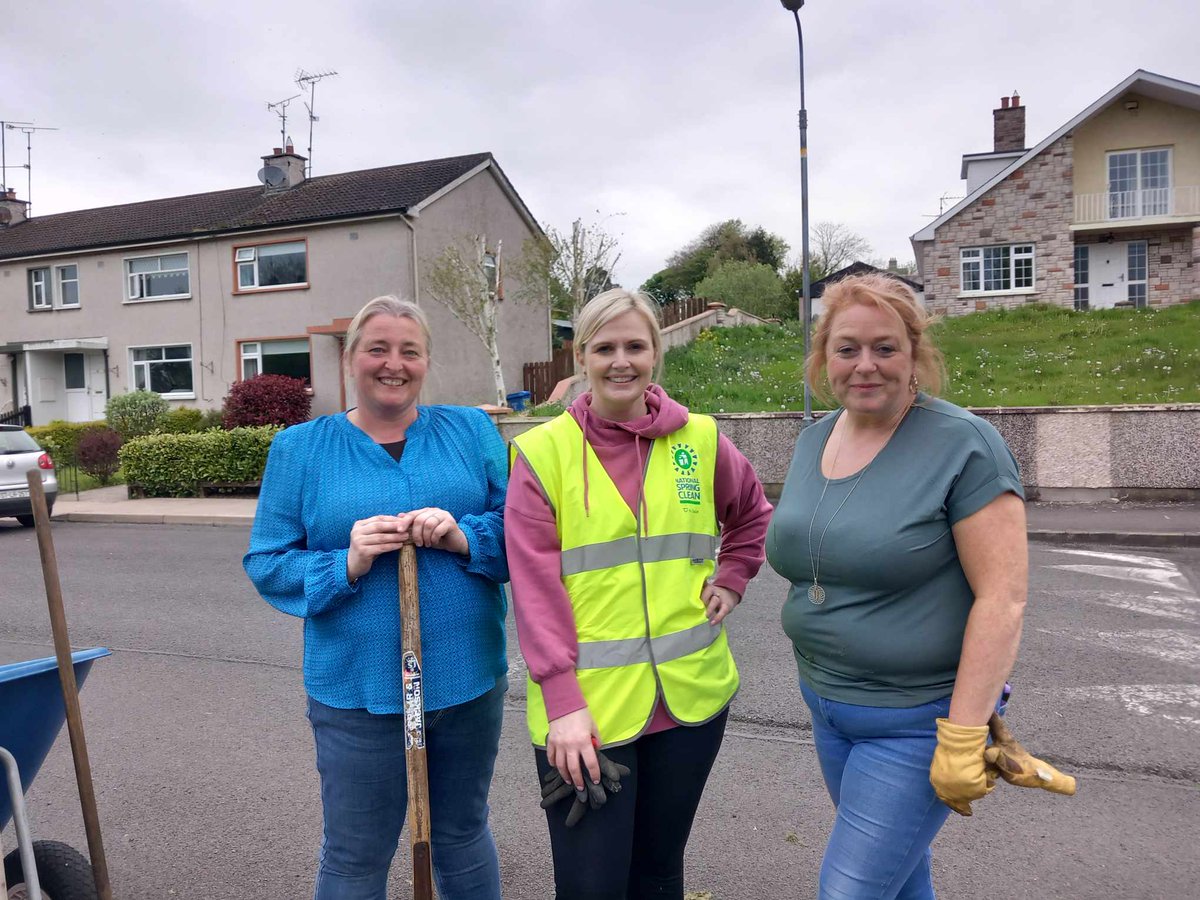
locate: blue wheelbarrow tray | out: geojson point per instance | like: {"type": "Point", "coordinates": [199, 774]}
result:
{"type": "Point", "coordinates": [32, 713]}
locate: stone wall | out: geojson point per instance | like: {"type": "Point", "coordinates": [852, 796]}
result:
{"type": "Point", "coordinates": [1080, 453]}
{"type": "Point", "coordinates": [1032, 205]}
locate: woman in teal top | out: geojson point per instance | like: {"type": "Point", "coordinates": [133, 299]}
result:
{"type": "Point", "coordinates": [902, 530]}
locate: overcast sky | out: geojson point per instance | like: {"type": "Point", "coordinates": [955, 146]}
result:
{"type": "Point", "coordinates": [665, 115]}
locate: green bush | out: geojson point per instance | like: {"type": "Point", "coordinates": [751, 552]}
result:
{"type": "Point", "coordinates": [136, 413]}
{"type": "Point", "coordinates": [212, 418]}
{"type": "Point", "coordinates": [182, 420]}
{"type": "Point", "coordinates": [61, 439]}
{"type": "Point", "coordinates": [173, 465]}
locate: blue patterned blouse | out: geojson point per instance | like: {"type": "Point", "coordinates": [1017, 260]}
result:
{"type": "Point", "coordinates": [324, 475]}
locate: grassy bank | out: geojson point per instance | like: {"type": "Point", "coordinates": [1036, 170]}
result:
{"type": "Point", "coordinates": [1033, 356]}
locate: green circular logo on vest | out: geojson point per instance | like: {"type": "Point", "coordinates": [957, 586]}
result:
{"type": "Point", "coordinates": [684, 458]}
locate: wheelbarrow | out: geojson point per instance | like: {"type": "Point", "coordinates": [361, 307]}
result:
{"type": "Point", "coordinates": [32, 712]}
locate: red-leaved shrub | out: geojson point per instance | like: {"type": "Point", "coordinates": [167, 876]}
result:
{"type": "Point", "coordinates": [98, 453]}
{"type": "Point", "coordinates": [267, 400]}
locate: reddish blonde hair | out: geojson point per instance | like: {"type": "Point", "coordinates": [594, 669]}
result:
{"type": "Point", "coordinates": [894, 297]}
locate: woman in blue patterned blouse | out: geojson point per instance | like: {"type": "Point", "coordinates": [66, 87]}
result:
{"type": "Point", "coordinates": [340, 495]}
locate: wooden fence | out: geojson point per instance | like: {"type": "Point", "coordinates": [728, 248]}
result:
{"type": "Point", "coordinates": [541, 377]}
{"type": "Point", "coordinates": [678, 310]}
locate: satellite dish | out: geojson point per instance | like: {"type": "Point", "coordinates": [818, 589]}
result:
{"type": "Point", "coordinates": [272, 176]}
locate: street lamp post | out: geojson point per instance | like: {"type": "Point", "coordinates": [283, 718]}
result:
{"type": "Point", "coordinates": [793, 6]}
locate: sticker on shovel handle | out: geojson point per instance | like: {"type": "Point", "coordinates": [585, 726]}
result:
{"type": "Point", "coordinates": [414, 703]}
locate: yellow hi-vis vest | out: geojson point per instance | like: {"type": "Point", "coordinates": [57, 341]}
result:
{"type": "Point", "coordinates": [641, 624]}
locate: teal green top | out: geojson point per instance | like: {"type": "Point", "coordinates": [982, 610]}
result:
{"type": "Point", "coordinates": [889, 632]}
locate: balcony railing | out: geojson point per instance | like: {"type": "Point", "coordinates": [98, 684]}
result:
{"type": "Point", "coordinates": [1147, 203]}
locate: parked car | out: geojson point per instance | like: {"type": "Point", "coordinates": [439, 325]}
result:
{"type": "Point", "coordinates": [19, 453]}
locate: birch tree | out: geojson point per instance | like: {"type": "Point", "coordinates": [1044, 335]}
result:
{"type": "Point", "coordinates": [573, 267]}
{"type": "Point", "coordinates": [466, 279]}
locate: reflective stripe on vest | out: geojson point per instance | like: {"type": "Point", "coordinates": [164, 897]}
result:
{"type": "Point", "coordinates": [590, 557]}
{"type": "Point", "coordinates": [642, 628]}
{"type": "Point", "coordinates": [626, 652]}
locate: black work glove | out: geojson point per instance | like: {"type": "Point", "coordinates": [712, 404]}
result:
{"type": "Point", "coordinates": [554, 789]}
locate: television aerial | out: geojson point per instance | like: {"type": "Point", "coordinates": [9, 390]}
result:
{"type": "Point", "coordinates": [308, 81]}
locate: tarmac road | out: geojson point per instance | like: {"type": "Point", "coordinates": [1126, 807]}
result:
{"type": "Point", "coordinates": [203, 759]}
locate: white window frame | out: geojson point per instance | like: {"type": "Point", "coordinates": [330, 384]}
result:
{"type": "Point", "coordinates": [1082, 298]}
{"type": "Point", "coordinates": [134, 288]}
{"type": "Point", "coordinates": [135, 364]}
{"type": "Point", "coordinates": [59, 281]}
{"type": "Point", "coordinates": [972, 267]}
{"type": "Point", "coordinates": [1140, 191]}
{"type": "Point", "coordinates": [251, 351]}
{"type": "Point", "coordinates": [247, 256]}
{"type": "Point", "coordinates": [40, 288]}
{"type": "Point", "coordinates": [1130, 282]}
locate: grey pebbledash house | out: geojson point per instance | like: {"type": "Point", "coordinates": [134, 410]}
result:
{"type": "Point", "coordinates": [186, 295]}
{"type": "Point", "coordinates": [1103, 212]}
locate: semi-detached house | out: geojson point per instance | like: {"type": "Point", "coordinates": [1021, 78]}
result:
{"type": "Point", "coordinates": [1103, 212]}
{"type": "Point", "coordinates": [186, 295]}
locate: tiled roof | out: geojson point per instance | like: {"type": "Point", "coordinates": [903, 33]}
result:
{"type": "Point", "coordinates": [368, 191]}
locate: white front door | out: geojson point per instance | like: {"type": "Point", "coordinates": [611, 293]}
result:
{"type": "Point", "coordinates": [75, 378]}
{"type": "Point", "coordinates": [1106, 274]}
{"type": "Point", "coordinates": [96, 385]}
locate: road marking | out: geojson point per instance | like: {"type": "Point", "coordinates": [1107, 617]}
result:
{"type": "Point", "coordinates": [1178, 704]}
{"type": "Point", "coordinates": [1160, 643]}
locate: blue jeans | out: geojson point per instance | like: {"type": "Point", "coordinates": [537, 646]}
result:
{"type": "Point", "coordinates": [875, 761]}
{"type": "Point", "coordinates": [364, 792]}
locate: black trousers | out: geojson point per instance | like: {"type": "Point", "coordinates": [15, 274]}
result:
{"type": "Point", "coordinates": [632, 847]}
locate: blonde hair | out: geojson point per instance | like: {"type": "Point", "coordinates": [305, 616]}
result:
{"type": "Point", "coordinates": [389, 305]}
{"type": "Point", "coordinates": [605, 307]}
{"type": "Point", "coordinates": [893, 296]}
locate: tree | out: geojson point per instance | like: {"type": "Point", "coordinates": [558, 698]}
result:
{"type": "Point", "coordinates": [750, 286]}
{"type": "Point", "coordinates": [573, 268]}
{"type": "Point", "coordinates": [834, 246]}
{"type": "Point", "coordinates": [716, 245]}
{"type": "Point", "coordinates": [466, 279]}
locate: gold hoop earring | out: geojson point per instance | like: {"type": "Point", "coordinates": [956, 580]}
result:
{"type": "Point", "coordinates": [913, 384]}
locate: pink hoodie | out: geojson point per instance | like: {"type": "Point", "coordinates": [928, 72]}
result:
{"type": "Point", "coordinates": [545, 622]}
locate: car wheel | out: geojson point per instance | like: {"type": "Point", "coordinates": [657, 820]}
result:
{"type": "Point", "coordinates": [63, 872]}
{"type": "Point", "coordinates": [27, 521]}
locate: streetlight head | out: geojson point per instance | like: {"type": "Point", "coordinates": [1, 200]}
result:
{"type": "Point", "coordinates": [792, 5]}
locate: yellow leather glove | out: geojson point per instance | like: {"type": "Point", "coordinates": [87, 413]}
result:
{"type": "Point", "coordinates": [1012, 762]}
{"type": "Point", "coordinates": [958, 773]}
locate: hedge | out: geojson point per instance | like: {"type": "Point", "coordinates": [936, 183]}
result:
{"type": "Point", "coordinates": [174, 465]}
{"type": "Point", "coordinates": [61, 439]}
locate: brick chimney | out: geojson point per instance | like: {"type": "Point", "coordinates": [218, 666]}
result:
{"type": "Point", "coordinates": [12, 210]}
{"type": "Point", "coordinates": [1009, 123]}
{"type": "Point", "coordinates": [292, 164]}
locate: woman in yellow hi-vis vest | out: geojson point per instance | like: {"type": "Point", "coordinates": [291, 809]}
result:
{"type": "Point", "coordinates": [614, 515]}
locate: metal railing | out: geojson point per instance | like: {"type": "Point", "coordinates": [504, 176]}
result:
{"type": "Point", "coordinates": [22, 416]}
{"type": "Point", "coordinates": [1115, 206]}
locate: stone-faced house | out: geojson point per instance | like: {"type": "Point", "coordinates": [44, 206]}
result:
{"type": "Point", "coordinates": [1103, 212]}
{"type": "Point", "coordinates": [186, 295]}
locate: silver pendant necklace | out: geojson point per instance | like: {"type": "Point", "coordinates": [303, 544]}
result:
{"type": "Point", "coordinates": [816, 593]}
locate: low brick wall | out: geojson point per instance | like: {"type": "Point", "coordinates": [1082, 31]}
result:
{"type": "Point", "coordinates": [1076, 453]}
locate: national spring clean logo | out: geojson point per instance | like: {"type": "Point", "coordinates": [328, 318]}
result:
{"type": "Point", "coordinates": [687, 464]}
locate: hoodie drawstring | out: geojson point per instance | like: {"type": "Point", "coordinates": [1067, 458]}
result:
{"type": "Point", "coordinates": [587, 511]}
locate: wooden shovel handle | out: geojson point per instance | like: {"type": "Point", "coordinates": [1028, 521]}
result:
{"type": "Point", "coordinates": [414, 725]}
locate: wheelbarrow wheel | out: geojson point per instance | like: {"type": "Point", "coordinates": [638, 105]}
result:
{"type": "Point", "coordinates": [63, 872]}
